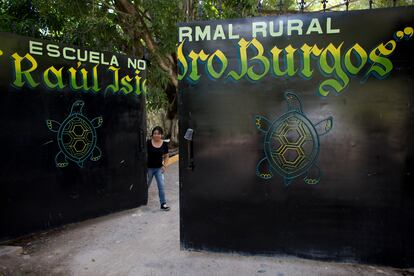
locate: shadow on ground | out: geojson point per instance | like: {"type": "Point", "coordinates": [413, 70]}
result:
{"type": "Point", "coordinates": [145, 241]}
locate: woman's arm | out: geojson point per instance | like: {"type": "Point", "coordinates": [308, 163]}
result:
{"type": "Point", "coordinates": [165, 162]}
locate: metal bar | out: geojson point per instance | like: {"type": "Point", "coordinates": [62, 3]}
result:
{"type": "Point", "coordinates": [338, 5]}
{"type": "Point", "coordinates": [220, 7]}
{"type": "Point", "coordinates": [259, 6]}
{"type": "Point", "coordinates": [324, 2]}
{"type": "Point", "coordinates": [302, 4]}
{"type": "Point", "coordinates": [200, 9]}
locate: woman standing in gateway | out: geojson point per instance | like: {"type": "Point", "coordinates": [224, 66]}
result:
{"type": "Point", "coordinates": [157, 162]}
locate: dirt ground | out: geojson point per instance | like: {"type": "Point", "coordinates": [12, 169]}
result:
{"type": "Point", "coordinates": [145, 241]}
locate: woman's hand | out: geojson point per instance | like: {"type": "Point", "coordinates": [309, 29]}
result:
{"type": "Point", "coordinates": [163, 169]}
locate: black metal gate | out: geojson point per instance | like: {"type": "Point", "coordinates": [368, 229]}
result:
{"type": "Point", "coordinates": [72, 134]}
{"type": "Point", "coordinates": [299, 143]}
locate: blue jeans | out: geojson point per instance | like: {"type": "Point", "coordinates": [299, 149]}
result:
{"type": "Point", "coordinates": [159, 177]}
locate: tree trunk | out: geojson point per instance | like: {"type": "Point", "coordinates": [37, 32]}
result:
{"type": "Point", "coordinates": [167, 62]}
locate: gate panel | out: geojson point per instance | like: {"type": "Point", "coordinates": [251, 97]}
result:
{"type": "Point", "coordinates": [72, 135]}
{"type": "Point", "coordinates": [337, 190]}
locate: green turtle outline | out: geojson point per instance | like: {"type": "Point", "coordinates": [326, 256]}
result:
{"type": "Point", "coordinates": [279, 146]}
{"type": "Point", "coordinates": [76, 137]}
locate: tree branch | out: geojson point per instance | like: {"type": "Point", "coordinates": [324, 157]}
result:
{"type": "Point", "coordinates": [166, 63]}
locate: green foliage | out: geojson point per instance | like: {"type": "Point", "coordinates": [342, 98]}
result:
{"type": "Point", "coordinates": [84, 23]}
{"type": "Point", "coordinates": [78, 22]}
{"type": "Point", "coordinates": [162, 17]}
{"type": "Point", "coordinates": [157, 80]}
{"type": "Point", "coordinates": [22, 17]}
{"type": "Point", "coordinates": [280, 5]}
{"type": "Point", "coordinates": [224, 9]}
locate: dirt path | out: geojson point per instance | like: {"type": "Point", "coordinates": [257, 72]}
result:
{"type": "Point", "coordinates": [145, 241]}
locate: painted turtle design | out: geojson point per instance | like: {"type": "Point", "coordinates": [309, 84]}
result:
{"type": "Point", "coordinates": [291, 144]}
{"type": "Point", "coordinates": [76, 137]}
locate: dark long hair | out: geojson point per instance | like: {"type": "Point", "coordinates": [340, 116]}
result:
{"type": "Point", "coordinates": [157, 128]}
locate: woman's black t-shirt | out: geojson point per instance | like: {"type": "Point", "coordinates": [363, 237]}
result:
{"type": "Point", "coordinates": [155, 154]}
